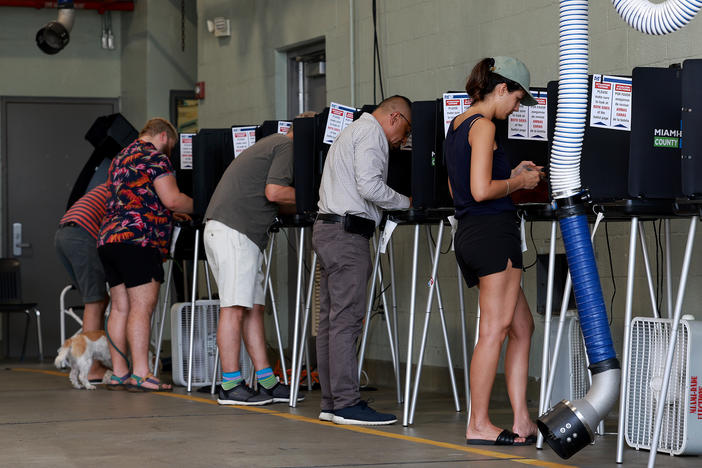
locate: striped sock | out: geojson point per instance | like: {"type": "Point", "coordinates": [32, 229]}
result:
{"type": "Point", "coordinates": [231, 379]}
{"type": "Point", "coordinates": [266, 378]}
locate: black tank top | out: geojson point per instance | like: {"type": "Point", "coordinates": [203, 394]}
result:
{"type": "Point", "coordinates": [458, 152]}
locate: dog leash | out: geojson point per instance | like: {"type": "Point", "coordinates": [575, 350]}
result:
{"type": "Point", "coordinates": [107, 334]}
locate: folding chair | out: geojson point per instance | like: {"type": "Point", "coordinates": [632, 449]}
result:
{"type": "Point", "coordinates": [11, 302]}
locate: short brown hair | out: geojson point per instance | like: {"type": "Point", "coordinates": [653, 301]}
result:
{"type": "Point", "coordinates": [157, 125]}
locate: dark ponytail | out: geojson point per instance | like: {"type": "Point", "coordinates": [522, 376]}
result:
{"type": "Point", "coordinates": [482, 80]}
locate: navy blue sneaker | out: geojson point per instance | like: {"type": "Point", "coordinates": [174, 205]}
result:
{"type": "Point", "coordinates": [361, 414]}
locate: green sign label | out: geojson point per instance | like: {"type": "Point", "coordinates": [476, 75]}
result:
{"type": "Point", "coordinates": [667, 138]}
{"type": "Point", "coordinates": [666, 142]}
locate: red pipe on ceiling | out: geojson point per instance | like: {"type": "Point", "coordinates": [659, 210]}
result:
{"type": "Point", "coordinates": [101, 7]}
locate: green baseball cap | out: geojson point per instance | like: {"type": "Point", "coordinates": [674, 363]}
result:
{"type": "Point", "coordinates": [513, 69]}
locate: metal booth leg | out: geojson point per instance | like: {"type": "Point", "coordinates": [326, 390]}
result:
{"type": "Point", "coordinates": [427, 315]}
{"type": "Point", "coordinates": [369, 307]}
{"type": "Point", "coordinates": [162, 319]}
{"type": "Point", "coordinates": [40, 343]}
{"type": "Point", "coordinates": [547, 329]}
{"type": "Point", "coordinates": [388, 326]}
{"type": "Point", "coordinates": [303, 339]}
{"type": "Point", "coordinates": [449, 358]}
{"type": "Point", "coordinates": [268, 286]}
{"type": "Point", "coordinates": [298, 299]}
{"type": "Point", "coordinates": [410, 338]}
{"type": "Point", "coordinates": [377, 278]}
{"type": "Point", "coordinates": [671, 345]}
{"type": "Point", "coordinates": [62, 311]}
{"type": "Point", "coordinates": [649, 276]}
{"type": "Point", "coordinates": [395, 327]}
{"type": "Point", "coordinates": [668, 270]}
{"type": "Point", "coordinates": [627, 326]}
{"type": "Point", "coordinates": [192, 311]}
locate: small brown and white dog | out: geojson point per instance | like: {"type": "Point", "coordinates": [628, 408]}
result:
{"type": "Point", "coordinates": [79, 352]}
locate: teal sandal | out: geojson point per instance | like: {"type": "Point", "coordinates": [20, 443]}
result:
{"type": "Point", "coordinates": [140, 381]}
{"type": "Point", "coordinates": [118, 383]}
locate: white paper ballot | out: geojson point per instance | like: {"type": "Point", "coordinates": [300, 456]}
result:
{"type": "Point", "coordinates": [186, 150]}
{"type": "Point", "coordinates": [522, 230]}
{"type": "Point", "coordinates": [387, 234]}
{"type": "Point", "coordinates": [339, 117]}
{"type": "Point", "coordinates": [243, 138]}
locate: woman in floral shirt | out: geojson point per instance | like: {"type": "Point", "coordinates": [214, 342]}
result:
{"type": "Point", "coordinates": [132, 243]}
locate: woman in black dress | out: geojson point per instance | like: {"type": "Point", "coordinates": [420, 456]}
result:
{"type": "Point", "coordinates": [488, 242]}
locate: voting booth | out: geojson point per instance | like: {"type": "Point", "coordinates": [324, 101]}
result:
{"type": "Point", "coordinates": [656, 134]}
{"type": "Point", "coordinates": [309, 153]}
{"type": "Point", "coordinates": [213, 151]}
{"type": "Point", "coordinates": [109, 134]}
{"type": "Point", "coordinates": [428, 173]}
{"type": "Point", "coordinates": [604, 165]}
{"type": "Point", "coordinates": [691, 157]}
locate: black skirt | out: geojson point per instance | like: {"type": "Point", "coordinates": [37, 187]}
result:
{"type": "Point", "coordinates": [485, 243]}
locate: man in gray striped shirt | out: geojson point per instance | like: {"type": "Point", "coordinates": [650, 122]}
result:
{"type": "Point", "coordinates": [351, 196]}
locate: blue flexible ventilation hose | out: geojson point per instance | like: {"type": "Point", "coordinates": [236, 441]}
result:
{"type": "Point", "coordinates": [588, 292]}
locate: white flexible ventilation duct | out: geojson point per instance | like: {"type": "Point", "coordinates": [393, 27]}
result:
{"type": "Point", "coordinates": [657, 18]}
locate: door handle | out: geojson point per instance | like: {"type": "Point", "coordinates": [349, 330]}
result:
{"type": "Point", "coordinates": [17, 244]}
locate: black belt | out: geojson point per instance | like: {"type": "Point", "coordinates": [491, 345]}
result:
{"type": "Point", "coordinates": [330, 218]}
{"type": "Point", "coordinates": [353, 224]}
{"type": "Point", "coordinates": [70, 224]}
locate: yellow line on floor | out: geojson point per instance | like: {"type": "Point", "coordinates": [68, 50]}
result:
{"type": "Point", "coordinates": [40, 371]}
{"type": "Point", "coordinates": [360, 429]}
{"type": "Point", "coordinates": [376, 432]}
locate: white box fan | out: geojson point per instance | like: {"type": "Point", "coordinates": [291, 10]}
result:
{"type": "Point", "coordinates": [681, 430]}
{"type": "Point", "coordinates": [204, 344]}
{"type": "Point", "coordinates": [570, 381]}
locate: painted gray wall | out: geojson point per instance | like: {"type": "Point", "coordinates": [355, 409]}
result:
{"type": "Point", "coordinates": [153, 60]}
{"type": "Point", "coordinates": [172, 64]}
{"type": "Point", "coordinates": [146, 64]}
{"type": "Point", "coordinates": [82, 69]}
{"type": "Point", "coordinates": [428, 47]}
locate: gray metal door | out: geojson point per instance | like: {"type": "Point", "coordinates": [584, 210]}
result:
{"type": "Point", "coordinates": [43, 151]}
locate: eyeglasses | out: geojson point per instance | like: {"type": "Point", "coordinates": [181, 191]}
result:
{"type": "Point", "coordinates": [409, 125]}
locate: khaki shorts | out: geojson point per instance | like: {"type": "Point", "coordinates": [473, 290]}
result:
{"type": "Point", "coordinates": [236, 265]}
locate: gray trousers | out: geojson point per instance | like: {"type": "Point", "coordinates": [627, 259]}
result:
{"type": "Point", "coordinates": [345, 264]}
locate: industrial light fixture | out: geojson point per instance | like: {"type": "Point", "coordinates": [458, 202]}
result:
{"type": "Point", "coordinates": [53, 37]}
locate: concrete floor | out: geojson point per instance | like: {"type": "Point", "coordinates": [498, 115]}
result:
{"type": "Point", "coordinates": [44, 422]}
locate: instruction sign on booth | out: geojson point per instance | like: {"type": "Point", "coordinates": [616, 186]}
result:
{"type": "Point", "coordinates": [611, 102]}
